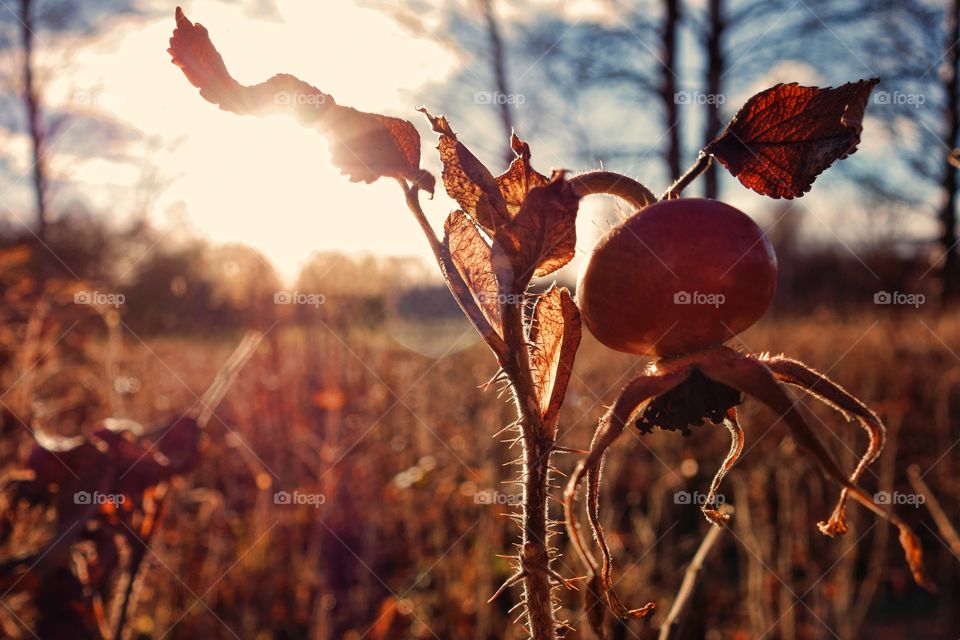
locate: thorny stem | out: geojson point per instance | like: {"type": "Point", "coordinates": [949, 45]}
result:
{"type": "Point", "coordinates": [615, 184]}
{"type": "Point", "coordinates": [538, 440]}
{"type": "Point", "coordinates": [702, 164]}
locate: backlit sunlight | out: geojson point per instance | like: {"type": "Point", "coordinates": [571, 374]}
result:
{"type": "Point", "coordinates": [262, 182]}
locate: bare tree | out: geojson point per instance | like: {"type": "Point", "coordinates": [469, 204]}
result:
{"type": "Point", "coordinates": [716, 65]}
{"type": "Point", "coordinates": [668, 87]}
{"type": "Point", "coordinates": [35, 128]}
{"type": "Point", "coordinates": [498, 63]}
{"type": "Point", "coordinates": [631, 54]}
{"type": "Point", "coordinates": [948, 210]}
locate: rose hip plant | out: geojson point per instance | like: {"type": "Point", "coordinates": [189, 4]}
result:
{"type": "Point", "coordinates": [521, 224]}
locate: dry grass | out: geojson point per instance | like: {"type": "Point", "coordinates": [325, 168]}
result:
{"type": "Point", "coordinates": [400, 446]}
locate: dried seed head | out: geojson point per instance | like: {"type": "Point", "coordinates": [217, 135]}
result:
{"type": "Point", "coordinates": [688, 404]}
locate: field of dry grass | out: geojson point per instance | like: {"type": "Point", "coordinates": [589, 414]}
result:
{"type": "Point", "coordinates": [406, 493]}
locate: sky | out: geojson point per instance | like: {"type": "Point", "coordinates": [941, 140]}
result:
{"type": "Point", "coordinates": [263, 182]}
{"type": "Point", "coordinates": [267, 182]}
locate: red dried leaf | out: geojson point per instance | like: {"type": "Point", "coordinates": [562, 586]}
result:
{"type": "Point", "coordinates": [784, 137]}
{"type": "Point", "coordinates": [467, 180]}
{"type": "Point", "coordinates": [555, 334]}
{"type": "Point", "coordinates": [515, 183]}
{"type": "Point", "coordinates": [472, 256]}
{"type": "Point", "coordinates": [541, 238]}
{"type": "Point", "coordinates": [365, 146]}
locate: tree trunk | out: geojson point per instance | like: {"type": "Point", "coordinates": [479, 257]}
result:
{"type": "Point", "coordinates": [668, 86]}
{"type": "Point", "coordinates": [31, 102]}
{"type": "Point", "coordinates": [948, 212]}
{"type": "Point", "coordinates": [715, 67]}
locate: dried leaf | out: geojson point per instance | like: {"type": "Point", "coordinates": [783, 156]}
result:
{"type": "Point", "coordinates": [517, 181]}
{"type": "Point", "coordinates": [784, 137]}
{"type": "Point", "coordinates": [467, 180]}
{"type": "Point", "coordinates": [541, 238]}
{"type": "Point", "coordinates": [365, 146]}
{"type": "Point", "coordinates": [555, 334]}
{"type": "Point", "coordinates": [472, 256]}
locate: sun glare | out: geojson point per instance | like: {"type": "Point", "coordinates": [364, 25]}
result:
{"type": "Point", "coordinates": [266, 182]}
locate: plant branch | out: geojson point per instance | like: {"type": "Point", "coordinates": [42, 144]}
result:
{"type": "Point", "coordinates": [513, 356]}
{"type": "Point", "coordinates": [702, 164]}
{"type": "Point", "coordinates": [453, 279]}
{"type": "Point", "coordinates": [615, 184]}
{"type": "Point", "coordinates": [947, 531]}
{"type": "Point", "coordinates": [671, 626]}
{"type": "Point", "coordinates": [537, 446]}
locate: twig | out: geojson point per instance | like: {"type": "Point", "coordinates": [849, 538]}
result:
{"type": "Point", "coordinates": [227, 375]}
{"type": "Point", "coordinates": [947, 530]}
{"type": "Point", "coordinates": [702, 164]}
{"type": "Point", "coordinates": [671, 626]}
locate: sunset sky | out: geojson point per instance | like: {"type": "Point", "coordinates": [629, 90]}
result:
{"type": "Point", "coordinates": [267, 182]}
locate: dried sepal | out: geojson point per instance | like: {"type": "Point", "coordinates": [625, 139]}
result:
{"type": "Point", "coordinates": [752, 376]}
{"type": "Point", "coordinates": [517, 181]}
{"type": "Point", "coordinates": [710, 508]}
{"type": "Point", "coordinates": [364, 146]}
{"type": "Point", "coordinates": [658, 379]}
{"type": "Point", "coordinates": [833, 395]}
{"type": "Point", "coordinates": [554, 335]}
{"type": "Point", "coordinates": [541, 238]}
{"type": "Point", "coordinates": [467, 180]}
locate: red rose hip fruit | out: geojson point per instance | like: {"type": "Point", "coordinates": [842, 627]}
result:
{"type": "Point", "coordinates": [678, 276]}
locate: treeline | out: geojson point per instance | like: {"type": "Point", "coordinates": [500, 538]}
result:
{"type": "Point", "coordinates": [170, 282]}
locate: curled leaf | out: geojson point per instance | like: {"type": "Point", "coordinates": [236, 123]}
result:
{"type": "Point", "coordinates": [555, 336]}
{"type": "Point", "coordinates": [365, 146]}
{"type": "Point", "coordinates": [467, 180]}
{"type": "Point", "coordinates": [541, 238]}
{"type": "Point", "coordinates": [517, 181]}
{"type": "Point", "coordinates": [784, 137]}
{"type": "Point", "coordinates": [472, 256]}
